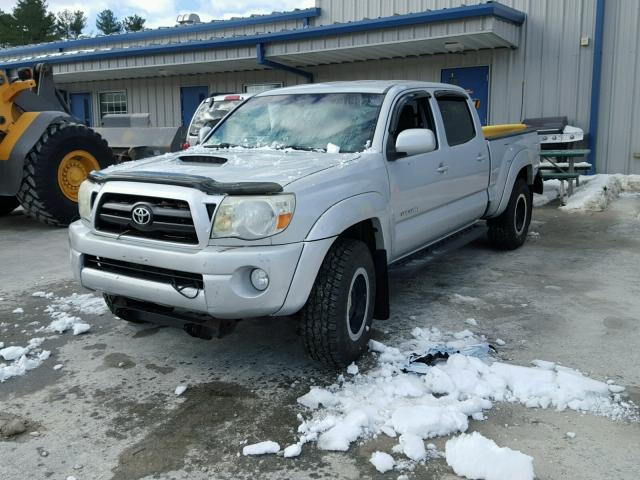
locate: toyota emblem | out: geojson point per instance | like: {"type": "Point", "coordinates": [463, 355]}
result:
{"type": "Point", "coordinates": [142, 215]}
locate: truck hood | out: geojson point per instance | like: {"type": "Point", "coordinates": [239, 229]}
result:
{"type": "Point", "coordinates": [238, 164]}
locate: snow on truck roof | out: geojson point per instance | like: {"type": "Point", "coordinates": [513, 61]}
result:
{"type": "Point", "coordinates": [360, 86]}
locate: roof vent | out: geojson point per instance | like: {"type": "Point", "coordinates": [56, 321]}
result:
{"type": "Point", "coordinates": [188, 19]}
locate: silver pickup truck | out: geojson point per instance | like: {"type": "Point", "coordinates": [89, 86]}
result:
{"type": "Point", "coordinates": [296, 203]}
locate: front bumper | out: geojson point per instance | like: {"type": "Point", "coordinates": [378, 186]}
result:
{"type": "Point", "coordinates": [227, 291]}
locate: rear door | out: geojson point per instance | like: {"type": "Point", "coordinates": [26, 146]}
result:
{"type": "Point", "coordinates": [467, 160]}
{"type": "Point", "coordinates": [416, 190]}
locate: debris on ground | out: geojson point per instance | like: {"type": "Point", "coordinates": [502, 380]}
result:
{"type": "Point", "coordinates": [180, 389]}
{"type": "Point", "coordinates": [476, 457]}
{"type": "Point", "coordinates": [382, 461]}
{"type": "Point", "coordinates": [392, 400]}
{"type": "Point", "coordinates": [11, 425]}
{"type": "Point", "coordinates": [293, 450]}
{"type": "Point", "coordinates": [261, 448]}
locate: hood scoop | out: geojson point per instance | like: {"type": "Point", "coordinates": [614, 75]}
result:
{"type": "Point", "coordinates": [203, 159]}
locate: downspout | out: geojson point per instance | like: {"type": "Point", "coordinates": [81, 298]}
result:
{"type": "Point", "coordinates": [596, 77]}
{"type": "Point", "coordinates": [262, 60]}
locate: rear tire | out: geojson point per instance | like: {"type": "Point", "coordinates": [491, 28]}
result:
{"type": "Point", "coordinates": [8, 205]}
{"type": "Point", "coordinates": [336, 319]}
{"type": "Point", "coordinates": [121, 313]}
{"type": "Point", "coordinates": [509, 230]}
{"type": "Point", "coordinates": [48, 188]}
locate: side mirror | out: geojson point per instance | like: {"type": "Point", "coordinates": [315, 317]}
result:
{"type": "Point", "coordinates": [415, 141]}
{"type": "Point", "coordinates": [203, 132]}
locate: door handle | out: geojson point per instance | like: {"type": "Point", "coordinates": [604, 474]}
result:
{"type": "Point", "coordinates": [480, 157]}
{"type": "Point", "coordinates": [442, 168]}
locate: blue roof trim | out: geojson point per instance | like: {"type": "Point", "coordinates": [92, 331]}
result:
{"type": "Point", "coordinates": [166, 31]}
{"type": "Point", "coordinates": [459, 13]}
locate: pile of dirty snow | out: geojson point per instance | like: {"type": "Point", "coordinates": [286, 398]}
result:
{"type": "Point", "coordinates": [62, 311]}
{"type": "Point", "coordinates": [389, 399]}
{"type": "Point", "coordinates": [594, 194]}
{"type": "Point", "coordinates": [22, 359]}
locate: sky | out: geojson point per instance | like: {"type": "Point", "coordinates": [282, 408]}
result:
{"type": "Point", "coordinates": [163, 13]}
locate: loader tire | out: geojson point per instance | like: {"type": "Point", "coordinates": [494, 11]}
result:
{"type": "Point", "coordinates": [337, 317]}
{"type": "Point", "coordinates": [8, 205]}
{"type": "Point", "coordinates": [509, 230]}
{"type": "Point", "coordinates": [56, 166]}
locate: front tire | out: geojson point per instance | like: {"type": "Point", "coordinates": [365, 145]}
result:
{"type": "Point", "coordinates": [56, 166]}
{"type": "Point", "coordinates": [509, 230]}
{"type": "Point", "coordinates": [8, 205]}
{"type": "Point", "coordinates": [336, 319]}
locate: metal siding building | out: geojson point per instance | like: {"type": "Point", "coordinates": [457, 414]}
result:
{"type": "Point", "coordinates": [537, 63]}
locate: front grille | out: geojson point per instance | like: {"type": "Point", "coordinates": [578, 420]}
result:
{"type": "Point", "coordinates": [145, 272]}
{"type": "Point", "coordinates": [171, 220]}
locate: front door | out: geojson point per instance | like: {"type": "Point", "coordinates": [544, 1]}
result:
{"type": "Point", "coordinates": [475, 80]}
{"type": "Point", "coordinates": [190, 99]}
{"type": "Point", "coordinates": [80, 104]}
{"type": "Point", "coordinates": [417, 190]}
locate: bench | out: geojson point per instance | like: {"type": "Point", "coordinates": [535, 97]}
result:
{"type": "Point", "coordinates": [553, 168]}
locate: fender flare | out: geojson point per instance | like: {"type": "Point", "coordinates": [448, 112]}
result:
{"type": "Point", "coordinates": [11, 169]}
{"type": "Point", "coordinates": [521, 160]}
{"type": "Point", "coordinates": [350, 211]}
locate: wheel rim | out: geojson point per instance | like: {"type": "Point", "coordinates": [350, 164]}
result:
{"type": "Point", "coordinates": [358, 304]}
{"type": "Point", "coordinates": [73, 170]}
{"type": "Point", "coordinates": [520, 215]}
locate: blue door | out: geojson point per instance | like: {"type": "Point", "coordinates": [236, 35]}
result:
{"type": "Point", "coordinates": [475, 80]}
{"type": "Point", "coordinates": [80, 104]}
{"type": "Point", "coordinates": [190, 98]}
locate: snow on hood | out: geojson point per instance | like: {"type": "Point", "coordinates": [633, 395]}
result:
{"type": "Point", "coordinates": [255, 165]}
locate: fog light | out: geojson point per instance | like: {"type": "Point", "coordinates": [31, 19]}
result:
{"type": "Point", "coordinates": [259, 279]}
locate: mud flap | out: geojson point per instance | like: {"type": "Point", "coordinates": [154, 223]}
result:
{"type": "Point", "coordinates": [381, 310]}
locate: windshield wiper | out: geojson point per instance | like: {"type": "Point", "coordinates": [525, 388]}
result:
{"type": "Point", "coordinates": [296, 147]}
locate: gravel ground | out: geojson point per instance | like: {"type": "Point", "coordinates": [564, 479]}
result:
{"type": "Point", "coordinates": [570, 295]}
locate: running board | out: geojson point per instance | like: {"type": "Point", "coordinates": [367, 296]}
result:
{"type": "Point", "coordinates": [447, 244]}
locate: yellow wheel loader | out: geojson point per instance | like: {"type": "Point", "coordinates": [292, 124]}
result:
{"type": "Point", "coordinates": [44, 153]}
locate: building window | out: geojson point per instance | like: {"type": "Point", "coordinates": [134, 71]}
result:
{"type": "Point", "coordinates": [261, 87]}
{"type": "Point", "coordinates": [113, 102]}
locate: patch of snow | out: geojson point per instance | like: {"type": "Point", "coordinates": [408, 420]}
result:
{"type": "Point", "coordinates": [18, 310]}
{"type": "Point", "coordinates": [293, 450]}
{"type": "Point", "coordinates": [12, 353]}
{"type": "Point", "coordinates": [389, 400]}
{"type": "Point", "coordinates": [463, 299]}
{"type": "Point", "coordinates": [261, 448]}
{"type": "Point", "coordinates": [61, 310]}
{"type": "Point", "coordinates": [571, 434]}
{"type": "Point", "coordinates": [476, 457]}
{"type": "Point", "coordinates": [79, 328]}
{"type": "Point", "coordinates": [180, 389]}
{"type": "Point", "coordinates": [597, 191]}
{"type": "Point", "coordinates": [331, 148]}
{"type": "Point", "coordinates": [412, 446]}
{"type": "Point", "coordinates": [352, 369]}
{"type": "Point", "coordinates": [471, 321]}
{"type": "Point", "coordinates": [22, 365]}
{"type": "Point", "coordinates": [42, 294]}
{"type": "Point", "coordinates": [57, 366]}
{"type": "Point", "coordinates": [551, 192]}
{"type": "Point", "coordinates": [382, 461]}
{"type": "Point", "coordinates": [500, 342]}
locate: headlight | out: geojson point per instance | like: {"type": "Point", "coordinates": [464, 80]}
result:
{"type": "Point", "coordinates": [253, 217]}
{"type": "Point", "coordinates": [84, 199]}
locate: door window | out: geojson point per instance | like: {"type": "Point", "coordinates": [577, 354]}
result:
{"type": "Point", "coordinates": [412, 111]}
{"type": "Point", "coordinates": [457, 119]}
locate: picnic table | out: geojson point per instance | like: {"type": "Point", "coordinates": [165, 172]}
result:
{"type": "Point", "coordinates": [561, 165]}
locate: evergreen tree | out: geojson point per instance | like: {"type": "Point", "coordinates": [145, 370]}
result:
{"type": "Point", "coordinates": [70, 24]}
{"type": "Point", "coordinates": [107, 22]}
{"type": "Point", "coordinates": [7, 29]}
{"type": "Point", "coordinates": [133, 23]}
{"type": "Point", "coordinates": [33, 23]}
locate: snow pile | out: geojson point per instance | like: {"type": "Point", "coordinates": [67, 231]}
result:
{"type": "Point", "coordinates": [476, 457]}
{"type": "Point", "coordinates": [23, 359]}
{"type": "Point", "coordinates": [594, 194]}
{"type": "Point", "coordinates": [261, 448]}
{"type": "Point", "coordinates": [61, 309]}
{"type": "Point", "coordinates": [388, 399]}
{"type": "Point", "coordinates": [382, 461]}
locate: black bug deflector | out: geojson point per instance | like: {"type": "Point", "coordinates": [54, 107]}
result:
{"type": "Point", "coordinates": [204, 184]}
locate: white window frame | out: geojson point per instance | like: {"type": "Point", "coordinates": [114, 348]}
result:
{"type": "Point", "coordinates": [261, 87]}
{"type": "Point", "coordinates": [101, 114]}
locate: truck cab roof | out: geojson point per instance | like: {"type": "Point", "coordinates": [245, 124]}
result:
{"type": "Point", "coordinates": [360, 86]}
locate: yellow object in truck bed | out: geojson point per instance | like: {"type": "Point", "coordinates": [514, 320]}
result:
{"type": "Point", "coordinates": [497, 130]}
